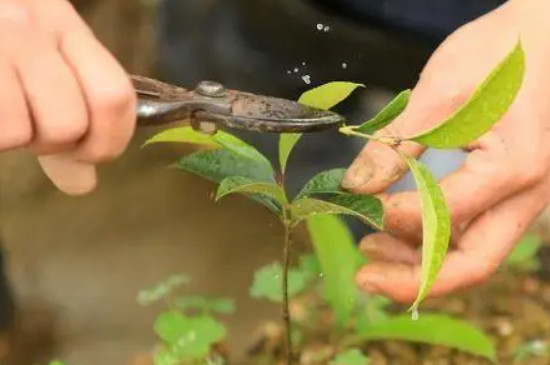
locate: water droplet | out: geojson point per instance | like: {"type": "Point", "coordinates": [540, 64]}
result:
{"type": "Point", "coordinates": [307, 79]}
{"type": "Point", "coordinates": [344, 65]}
{"type": "Point", "coordinates": [414, 314]}
{"type": "Point", "coordinates": [289, 72]}
{"type": "Point", "coordinates": [303, 63]}
{"type": "Point", "coordinates": [296, 70]}
{"type": "Point", "coordinates": [326, 28]}
{"type": "Point", "coordinates": [320, 26]}
{"type": "Point", "coordinates": [321, 275]}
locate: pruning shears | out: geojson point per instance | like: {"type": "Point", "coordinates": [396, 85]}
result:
{"type": "Point", "coordinates": [211, 106]}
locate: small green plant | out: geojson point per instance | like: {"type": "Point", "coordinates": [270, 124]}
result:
{"type": "Point", "coordinates": [240, 168]}
{"type": "Point", "coordinates": [187, 329]}
{"type": "Point", "coordinates": [322, 285]}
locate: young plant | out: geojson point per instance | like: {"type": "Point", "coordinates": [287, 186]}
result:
{"type": "Point", "coordinates": [188, 329]}
{"type": "Point", "coordinates": [240, 168]}
{"type": "Point", "coordinates": [357, 318]}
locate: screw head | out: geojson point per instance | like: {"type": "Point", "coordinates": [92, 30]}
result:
{"type": "Point", "coordinates": [210, 88]}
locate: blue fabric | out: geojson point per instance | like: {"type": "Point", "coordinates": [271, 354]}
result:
{"type": "Point", "coordinates": [430, 18]}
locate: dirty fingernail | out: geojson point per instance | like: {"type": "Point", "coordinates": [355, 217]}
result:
{"type": "Point", "coordinates": [359, 174]}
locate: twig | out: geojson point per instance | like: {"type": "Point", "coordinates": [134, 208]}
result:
{"type": "Point", "coordinates": [350, 131]}
{"type": "Point", "coordinates": [286, 311]}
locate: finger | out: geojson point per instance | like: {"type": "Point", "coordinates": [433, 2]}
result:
{"type": "Point", "coordinates": [15, 123]}
{"type": "Point", "coordinates": [483, 246]}
{"type": "Point", "coordinates": [492, 172]}
{"type": "Point", "coordinates": [385, 247]}
{"type": "Point", "coordinates": [60, 117]}
{"type": "Point", "coordinates": [109, 94]}
{"type": "Point", "coordinates": [378, 165]}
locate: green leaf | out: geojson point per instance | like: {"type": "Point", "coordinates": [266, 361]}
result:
{"type": "Point", "coordinates": [367, 208]}
{"type": "Point", "coordinates": [237, 146]}
{"type": "Point", "coordinates": [328, 95]}
{"type": "Point", "coordinates": [161, 290]}
{"type": "Point", "coordinates": [164, 356]}
{"type": "Point", "coordinates": [189, 338]}
{"type": "Point", "coordinates": [215, 305]}
{"type": "Point", "coordinates": [218, 164]}
{"type": "Point", "coordinates": [323, 97]}
{"type": "Point", "coordinates": [339, 259]}
{"type": "Point", "coordinates": [373, 311]}
{"type": "Point", "coordinates": [433, 329]}
{"type": "Point", "coordinates": [182, 134]}
{"type": "Point", "coordinates": [326, 182]}
{"type": "Point", "coordinates": [287, 141]}
{"type": "Point", "coordinates": [309, 265]}
{"type": "Point", "coordinates": [387, 114]}
{"type": "Point", "coordinates": [222, 306]}
{"type": "Point", "coordinates": [436, 223]}
{"type": "Point", "coordinates": [351, 356]}
{"type": "Point", "coordinates": [268, 284]}
{"type": "Point", "coordinates": [485, 107]}
{"type": "Point", "coordinates": [219, 140]}
{"type": "Point", "coordinates": [170, 325]}
{"type": "Point", "coordinates": [238, 184]}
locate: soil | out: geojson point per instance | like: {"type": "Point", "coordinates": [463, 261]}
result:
{"type": "Point", "coordinates": [76, 264]}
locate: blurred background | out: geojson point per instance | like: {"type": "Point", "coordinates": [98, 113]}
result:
{"type": "Point", "coordinates": [74, 265]}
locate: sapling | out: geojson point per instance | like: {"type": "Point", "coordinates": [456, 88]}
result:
{"type": "Point", "coordinates": [188, 328]}
{"type": "Point", "coordinates": [240, 168]}
{"type": "Point", "coordinates": [322, 287]}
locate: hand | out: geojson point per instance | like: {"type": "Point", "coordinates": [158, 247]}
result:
{"type": "Point", "coordinates": [503, 185]}
{"type": "Point", "coordinates": [63, 96]}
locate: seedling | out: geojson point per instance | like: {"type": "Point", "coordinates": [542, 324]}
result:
{"type": "Point", "coordinates": [240, 168]}
{"type": "Point", "coordinates": [322, 286]}
{"type": "Point", "coordinates": [188, 329]}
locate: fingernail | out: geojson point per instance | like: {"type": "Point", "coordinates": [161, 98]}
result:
{"type": "Point", "coordinates": [68, 175]}
{"type": "Point", "coordinates": [359, 173]}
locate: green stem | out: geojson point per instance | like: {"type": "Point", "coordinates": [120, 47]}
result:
{"type": "Point", "coordinates": [350, 131]}
{"type": "Point", "coordinates": [286, 306]}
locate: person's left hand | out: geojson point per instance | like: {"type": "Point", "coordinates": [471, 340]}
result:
{"type": "Point", "coordinates": [503, 185]}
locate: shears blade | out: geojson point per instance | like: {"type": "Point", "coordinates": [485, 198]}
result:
{"type": "Point", "coordinates": [210, 106]}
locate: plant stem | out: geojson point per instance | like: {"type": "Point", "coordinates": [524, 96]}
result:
{"type": "Point", "coordinates": [286, 310]}
{"type": "Point", "coordinates": [350, 131]}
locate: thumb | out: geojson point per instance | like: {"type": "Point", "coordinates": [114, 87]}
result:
{"type": "Point", "coordinates": [69, 175]}
{"type": "Point", "coordinates": [379, 165]}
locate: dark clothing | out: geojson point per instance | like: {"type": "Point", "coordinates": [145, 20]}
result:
{"type": "Point", "coordinates": [429, 18]}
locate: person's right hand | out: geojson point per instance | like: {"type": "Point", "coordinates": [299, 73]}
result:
{"type": "Point", "coordinates": [63, 96]}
